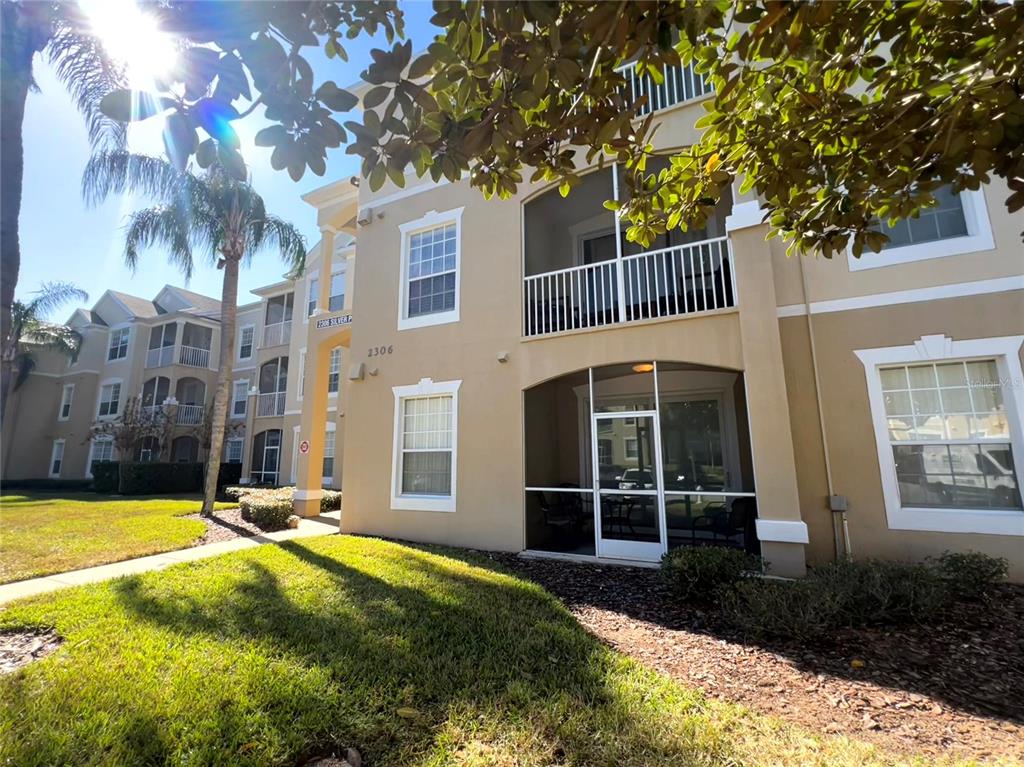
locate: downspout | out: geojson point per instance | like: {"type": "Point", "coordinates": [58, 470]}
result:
{"type": "Point", "coordinates": [840, 523]}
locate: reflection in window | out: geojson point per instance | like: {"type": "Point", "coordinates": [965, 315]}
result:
{"type": "Point", "coordinates": [943, 221]}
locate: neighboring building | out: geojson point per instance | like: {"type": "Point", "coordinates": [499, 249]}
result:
{"type": "Point", "coordinates": [523, 378]}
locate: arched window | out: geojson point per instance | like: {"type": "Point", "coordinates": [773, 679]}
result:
{"type": "Point", "coordinates": [155, 391]}
{"type": "Point", "coordinates": [266, 457]}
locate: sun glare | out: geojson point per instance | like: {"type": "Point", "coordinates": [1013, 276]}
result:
{"type": "Point", "coordinates": [132, 38]}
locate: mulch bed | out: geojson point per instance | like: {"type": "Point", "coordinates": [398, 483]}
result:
{"type": "Point", "coordinates": [224, 525]}
{"type": "Point", "coordinates": [954, 686]}
{"type": "Point", "coordinates": [19, 648]}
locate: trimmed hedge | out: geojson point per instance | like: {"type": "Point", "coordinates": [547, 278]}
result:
{"type": "Point", "coordinates": [44, 484]}
{"type": "Point", "coordinates": [158, 478]}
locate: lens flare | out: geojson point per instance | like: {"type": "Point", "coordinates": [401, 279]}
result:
{"type": "Point", "coordinates": [132, 38]}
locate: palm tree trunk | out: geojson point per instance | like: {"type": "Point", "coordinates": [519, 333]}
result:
{"type": "Point", "coordinates": [19, 45]}
{"type": "Point", "coordinates": [218, 422]}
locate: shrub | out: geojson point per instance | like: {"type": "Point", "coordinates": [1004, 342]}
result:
{"type": "Point", "coordinates": [700, 572]}
{"type": "Point", "coordinates": [104, 476]}
{"type": "Point", "coordinates": [331, 501]}
{"type": "Point", "coordinates": [266, 508]}
{"type": "Point", "coordinates": [838, 595]}
{"type": "Point", "coordinates": [970, 575]}
{"type": "Point", "coordinates": [49, 485]}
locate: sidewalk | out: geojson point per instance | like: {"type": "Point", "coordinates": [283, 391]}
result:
{"type": "Point", "coordinates": [325, 524]}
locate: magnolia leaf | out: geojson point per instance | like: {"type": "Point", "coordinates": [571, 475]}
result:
{"type": "Point", "coordinates": [126, 105]}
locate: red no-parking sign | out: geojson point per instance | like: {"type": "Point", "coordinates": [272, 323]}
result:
{"type": "Point", "coordinates": [304, 446]}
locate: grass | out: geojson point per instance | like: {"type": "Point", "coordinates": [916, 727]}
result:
{"type": "Point", "coordinates": [45, 533]}
{"type": "Point", "coordinates": [276, 654]}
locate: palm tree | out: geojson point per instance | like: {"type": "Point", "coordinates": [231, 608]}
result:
{"type": "Point", "coordinates": [30, 330]}
{"type": "Point", "coordinates": [212, 213]}
{"type": "Point", "coordinates": [60, 31]}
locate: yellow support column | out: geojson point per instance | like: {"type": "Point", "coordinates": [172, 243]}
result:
{"type": "Point", "coordinates": [313, 423]}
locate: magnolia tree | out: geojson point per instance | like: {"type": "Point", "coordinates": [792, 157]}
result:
{"type": "Point", "coordinates": [129, 431]}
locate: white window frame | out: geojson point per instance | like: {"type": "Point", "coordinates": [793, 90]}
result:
{"type": "Point", "coordinates": [234, 398]}
{"type": "Point", "coordinates": [67, 398]}
{"type": "Point", "coordinates": [252, 342]}
{"type": "Point", "coordinates": [978, 238]}
{"type": "Point", "coordinates": [99, 398]}
{"type": "Point", "coordinates": [431, 220]}
{"type": "Point", "coordinates": [1005, 351]}
{"type": "Point", "coordinates": [127, 344]}
{"type": "Point", "coordinates": [240, 441]}
{"type": "Point", "coordinates": [92, 453]}
{"type": "Point", "coordinates": [301, 383]}
{"type": "Point", "coordinates": [405, 501]}
{"type": "Point", "coordinates": [53, 457]}
{"type": "Point", "coordinates": [331, 428]}
{"type": "Point", "coordinates": [330, 354]}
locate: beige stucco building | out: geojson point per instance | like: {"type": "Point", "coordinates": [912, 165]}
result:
{"type": "Point", "coordinates": [515, 375]}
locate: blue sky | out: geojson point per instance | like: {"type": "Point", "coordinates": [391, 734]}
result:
{"type": "Point", "coordinates": [62, 239]}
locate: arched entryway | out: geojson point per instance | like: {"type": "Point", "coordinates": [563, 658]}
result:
{"type": "Point", "coordinates": [628, 461]}
{"type": "Point", "coordinates": [185, 450]}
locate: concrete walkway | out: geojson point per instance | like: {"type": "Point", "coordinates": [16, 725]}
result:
{"type": "Point", "coordinates": [325, 524]}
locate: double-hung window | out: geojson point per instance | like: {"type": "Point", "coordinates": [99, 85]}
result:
{"type": "Point", "coordinates": [102, 449]}
{"type": "Point", "coordinates": [245, 340]}
{"type": "Point", "coordinates": [233, 450]}
{"type": "Point", "coordinates": [948, 428]}
{"type": "Point", "coordinates": [66, 396]}
{"type": "Point", "coordinates": [430, 270]}
{"type": "Point", "coordinates": [118, 348]}
{"type": "Point", "coordinates": [56, 458]}
{"type": "Point", "coordinates": [956, 225]}
{"type": "Point", "coordinates": [110, 399]}
{"type": "Point", "coordinates": [424, 464]}
{"type": "Point", "coordinates": [334, 371]}
{"type": "Point", "coordinates": [239, 398]}
{"type": "Point", "coordinates": [328, 470]}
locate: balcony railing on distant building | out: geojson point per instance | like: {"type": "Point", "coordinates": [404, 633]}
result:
{"type": "Point", "coordinates": [270, 403]}
{"type": "Point", "coordinates": [277, 334]}
{"type": "Point", "coordinates": [679, 84]}
{"type": "Point", "coordinates": [195, 357]}
{"type": "Point", "coordinates": [160, 357]}
{"type": "Point", "coordinates": [190, 415]}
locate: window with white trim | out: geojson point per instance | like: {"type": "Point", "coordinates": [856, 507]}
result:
{"type": "Point", "coordinates": [950, 435]}
{"type": "Point", "coordinates": [335, 302]}
{"type": "Point", "coordinates": [302, 374]}
{"type": "Point", "coordinates": [423, 469]}
{"type": "Point", "coordinates": [110, 399]}
{"type": "Point", "coordinates": [67, 394]}
{"type": "Point", "coordinates": [245, 342]}
{"type": "Point", "coordinates": [328, 471]}
{"type": "Point", "coordinates": [102, 449]}
{"type": "Point", "coordinates": [430, 270]}
{"type": "Point", "coordinates": [56, 458]}
{"type": "Point", "coordinates": [118, 348]}
{"type": "Point", "coordinates": [956, 225]}
{"type": "Point", "coordinates": [233, 450]}
{"type": "Point", "coordinates": [240, 398]}
{"type": "Point", "coordinates": [334, 371]}
{"type": "Point", "coordinates": [632, 448]}
{"type": "Point", "coordinates": [948, 427]}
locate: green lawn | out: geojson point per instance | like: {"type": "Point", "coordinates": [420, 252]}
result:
{"type": "Point", "coordinates": [275, 654]}
{"type": "Point", "coordinates": [44, 533]}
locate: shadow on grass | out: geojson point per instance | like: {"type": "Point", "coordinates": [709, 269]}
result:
{"type": "Point", "coordinates": [425, 656]}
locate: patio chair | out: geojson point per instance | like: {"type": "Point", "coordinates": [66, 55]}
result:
{"type": "Point", "coordinates": [726, 525]}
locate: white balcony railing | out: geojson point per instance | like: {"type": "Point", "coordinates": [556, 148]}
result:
{"type": "Point", "coordinates": [277, 334]}
{"type": "Point", "coordinates": [678, 84]}
{"type": "Point", "coordinates": [270, 403]}
{"type": "Point", "coordinates": [158, 358]}
{"type": "Point", "coordinates": [683, 279]}
{"type": "Point", "coordinates": [194, 357]}
{"type": "Point", "coordinates": [190, 415]}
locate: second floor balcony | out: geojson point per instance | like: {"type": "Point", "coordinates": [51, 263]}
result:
{"type": "Point", "coordinates": [179, 343]}
{"type": "Point", "coordinates": [581, 272]}
{"type": "Point", "coordinates": [273, 383]}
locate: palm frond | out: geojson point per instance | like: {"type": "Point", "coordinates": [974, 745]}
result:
{"type": "Point", "coordinates": [51, 296]}
{"type": "Point", "coordinates": [168, 225]}
{"type": "Point", "coordinates": [88, 72]}
{"type": "Point", "coordinates": [285, 237]}
{"type": "Point", "coordinates": [121, 172]}
{"type": "Point", "coordinates": [50, 335]}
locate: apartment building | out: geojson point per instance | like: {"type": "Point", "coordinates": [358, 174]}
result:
{"type": "Point", "coordinates": [521, 377]}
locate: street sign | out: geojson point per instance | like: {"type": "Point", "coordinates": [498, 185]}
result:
{"type": "Point", "coordinates": [304, 446]}
{"type": "Point", "coordinates": [334, 322]}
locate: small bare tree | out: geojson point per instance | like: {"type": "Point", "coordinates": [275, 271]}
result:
{"type": "Point", "coordinates": [135, 424]}
{"type": "Point", "coordinates": [203, 432]}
